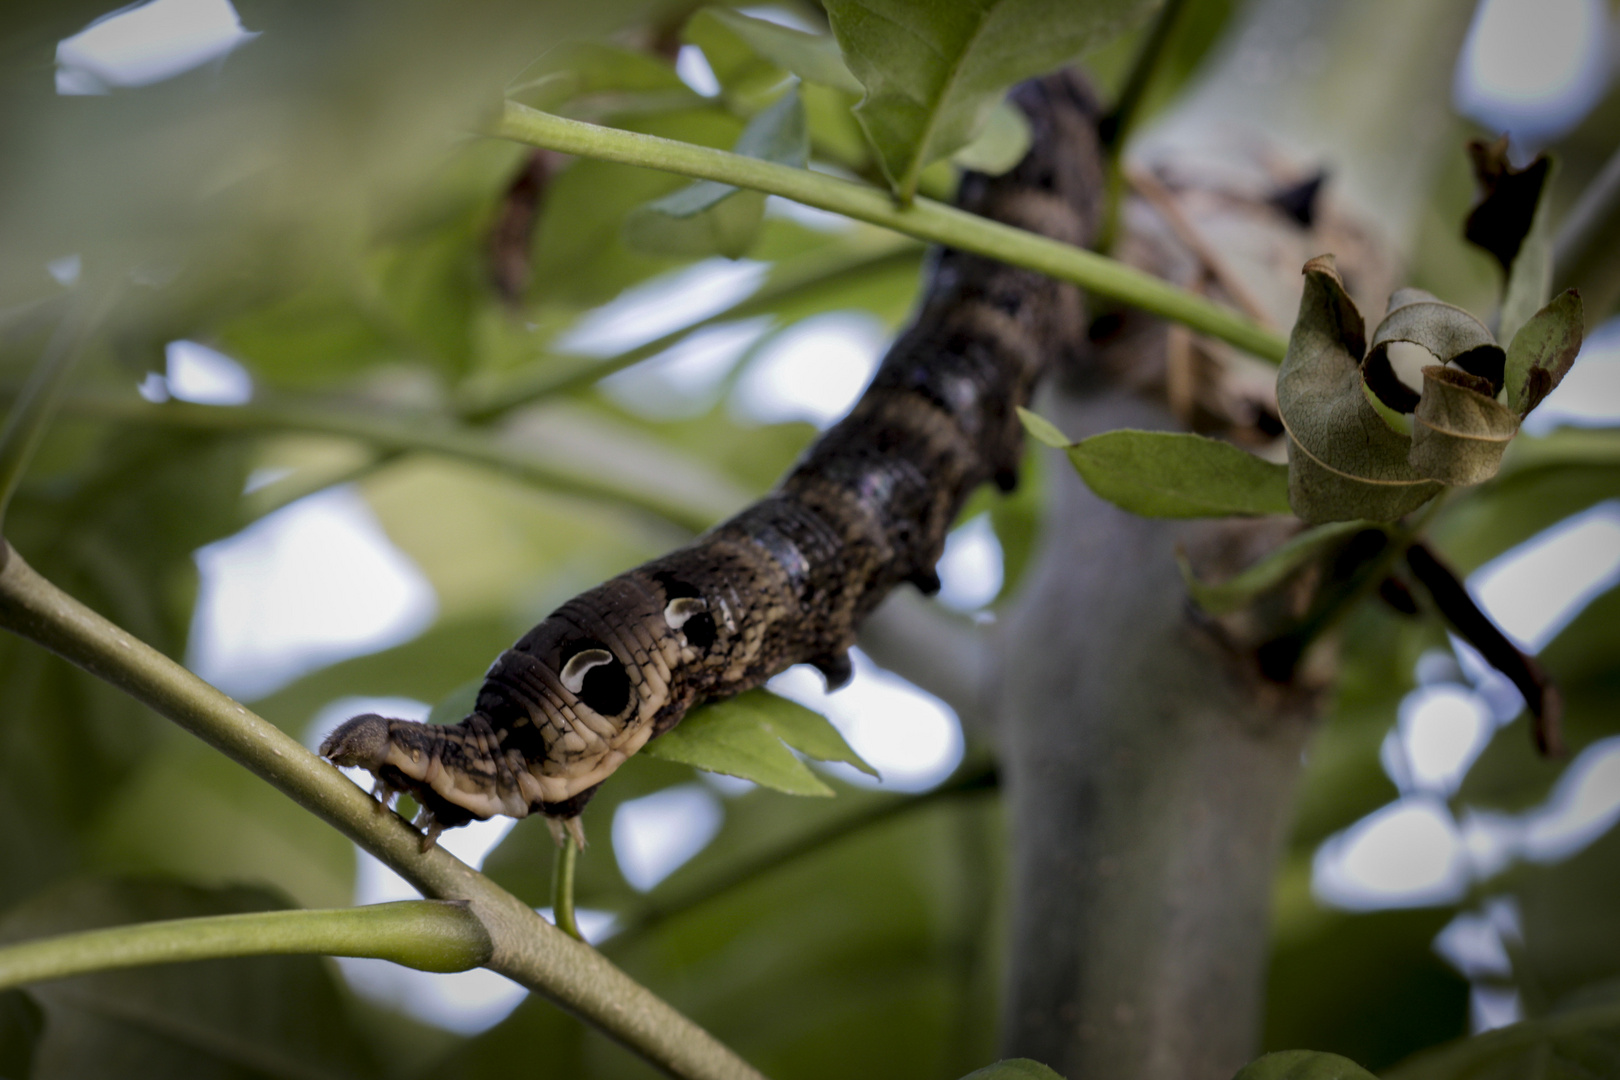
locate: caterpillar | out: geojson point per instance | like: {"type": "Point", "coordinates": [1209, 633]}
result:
{"type": "Point", "coordinates": [789, 579]}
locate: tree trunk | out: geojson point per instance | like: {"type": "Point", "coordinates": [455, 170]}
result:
{"type": "Point", "coordinates": [1148, 776]}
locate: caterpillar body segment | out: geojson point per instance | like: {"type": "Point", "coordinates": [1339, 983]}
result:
{"type": "Point", "coordinates": [789, 579]}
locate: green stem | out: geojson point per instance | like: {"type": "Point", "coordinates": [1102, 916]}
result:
{"type": "Point", "coordinates": [526, 948]}
{"type": "Point", "coordinates": [391, 434]}
{"type": "Point", "coordinates": [562, 889]}
{"type": "Point", "coordinates": [36, 404]}
{"type": "Point", "coordinates": [482, 402]}
{"type": "Point", "coordinates": [428, 935]}
{"type": "Point", "coordinates": [1116, 126]}
{"type": "Point", "coordinates": [923, 219]}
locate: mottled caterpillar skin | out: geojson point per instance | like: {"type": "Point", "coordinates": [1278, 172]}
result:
{"type": "Point", "coordinates": [789, 579]}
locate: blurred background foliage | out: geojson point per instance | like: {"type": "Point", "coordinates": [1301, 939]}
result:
{"type": "Point", "coordinates": [317, 207]}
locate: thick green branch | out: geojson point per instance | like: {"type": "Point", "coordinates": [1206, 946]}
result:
{"type": "Point", "coordinates": [429, 935]}
{"type": "Point", "coordinates": [924, 219]}
{"type": "Point", "coordinates": [526, 948]}
{"type": "Point", "coordinates": [396, 435]}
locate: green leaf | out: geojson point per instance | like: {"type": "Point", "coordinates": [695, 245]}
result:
{"type": "Point", "coordinates": [1584, 1043]}
{"type": "Point", "coordinates": [22, 1022]}
{"type": "Point", "coordinates": [577, 68]}
{"type": "Point", "coordinates": [1179, 475]}
{"type": "Point", "coordinates": [1269, 572]}
{"type": "Point", "coordinates": [1043, 430]}
{"type": "Point", "coordinates": [1013, 1069]}
{"type": "Point", "coordinates": [1302, 1065]}
{"type": "Point", "coordinates": [744, 736]}
{"type": "Point", "coordinates": [457, 704]}
{"type": "Point", "coordinates": [727, 37]}
{"type": "Point", "coordinates": [1460, 430]}
{"type": "Point", "coordinates": [1170, 474]}
{"type": "Point", "coordinates": [1344, 462]}
{"type": "Point", "coordinates": [1448, 332]}
{"type": "Point", "coordinates": [1542, 352]}
{"type": "Point", "coordinates": [221, 825]}
{"type": "Point", "coordinates": [933, 72]}
{"type": "Point", "coordinates": [1001, 145]}
{"type": "Point", "coordinates": [707, 217]}
{"type": "Point", "coordinates": [1366, 985]}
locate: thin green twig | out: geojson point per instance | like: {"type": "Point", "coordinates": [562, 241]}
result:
{"type": "Point", "coordinates": [401, 434]}
{"type": "Point", "coordinates": [37, 402]}
{"type": "Point", "coordinates": [562, 889]}
{"type": "Point", "coordinates": [428, 935]}
{"type": "Point", "coordinates": [923, 219]}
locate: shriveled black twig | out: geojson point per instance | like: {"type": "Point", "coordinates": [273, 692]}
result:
{"type": "Point", "coordinates": [1475, 627]}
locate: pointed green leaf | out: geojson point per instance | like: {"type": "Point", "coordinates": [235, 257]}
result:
{"type": "Point", "coordinates": [457, 704]}
{"type": "Point", "coordinates": [1542, 352]}
{"type": "Point", "coordinates": [1459, 430]}
{"type": "Point", "coordinates": [1453, 335]}
{"type": "Point", "coordinates": [1043, 430]}
{"type": "Point", "coordinates": [727, 37]}
{"type": "Point", "coordinates": [811, 734]}
{"type": "Point", "coordinates": [576, 68]}
{"type": "Point", "coordinates": [1013, 1069]}
{"type": "Point", "coordinates": [1238, 591]}
{"type": "Point", "coordinates": [1344, 462]}
{"type": "Point", "coordinates": [1169, 474]}
{"type": "Point", "coordinates": [1571, 1043]}
{"type": "Point", "coordinates": [744, 736]}
{"type": "Point", "coordinates": [1303, 1065]}
{"type": "Point", "coordinates": [933, 72]}
{"type": "Point", "coordinates": [1001, 145]}
{"type": "Point", "coordinates": [1179, 475]}
{"type": "Point", "coordinates": [707, 217]}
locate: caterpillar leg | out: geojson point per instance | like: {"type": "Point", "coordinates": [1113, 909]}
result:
{"type": "Point", "coordinates": [384, 793]}
{"type": "Point", "coordinates": [431, 827]}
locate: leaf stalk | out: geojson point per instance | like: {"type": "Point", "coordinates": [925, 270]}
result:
{"type": "Point", "coordinates": [428, 935]}
{"type": "Point", "coordinates": [923, 219]}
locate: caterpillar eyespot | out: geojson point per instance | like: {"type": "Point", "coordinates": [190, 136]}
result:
{"type": "Point", "coordinates": [573, 673]}
{"type": "Point", "coordinates": [681, 609]}
{"type": "Point", "coordinates": [789, 579]}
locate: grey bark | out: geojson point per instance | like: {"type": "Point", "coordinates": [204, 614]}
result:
{"type": "Point", "coordinates": [1149, 777]}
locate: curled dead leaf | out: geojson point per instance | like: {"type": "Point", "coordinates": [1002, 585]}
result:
{"type": "Point", "coordinates": [1460, 430]}
{"type": "Point", "coordinates": [1344, 462]}
{"type": "Point", "coordinates": [1453, 335]}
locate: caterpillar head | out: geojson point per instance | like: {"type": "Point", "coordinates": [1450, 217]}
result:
{"type": "Point", "coordinates": [359, 741]}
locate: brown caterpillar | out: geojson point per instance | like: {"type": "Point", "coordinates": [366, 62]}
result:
{"type": "Point", "coordinates": [789, 579]}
